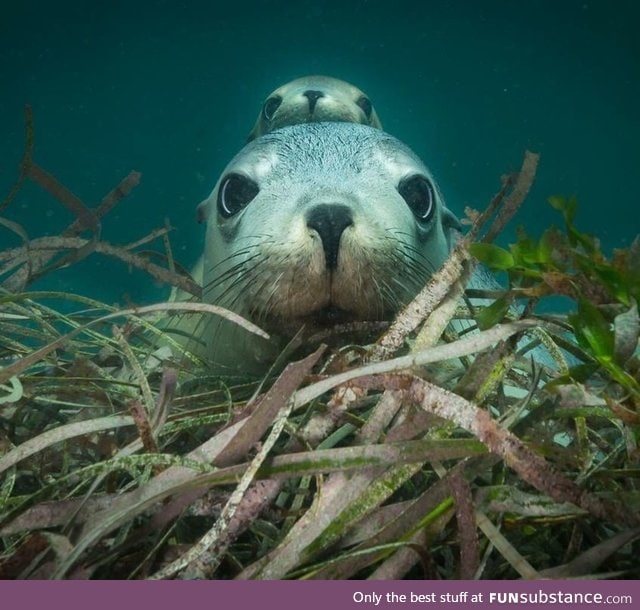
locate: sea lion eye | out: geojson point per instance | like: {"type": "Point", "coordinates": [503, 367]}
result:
{"type": "Point", "coordinates": [420, 196]}
{"type": "Point", "coordinates": [235, 192]}
{"type": "Point", "coordinates": [365, 104]}
{"type": "Point", "coordinates": [270, 106]}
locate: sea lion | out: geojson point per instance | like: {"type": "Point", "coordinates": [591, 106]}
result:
{"type": "Point", "coordinates": [312, 225]}
{"type": "Point", "coordinates": [306, 100]}
{"type": "Point", "coordinates": [313, 99]}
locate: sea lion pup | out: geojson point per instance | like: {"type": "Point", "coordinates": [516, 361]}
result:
{"type": "Point", "coordinates": [311, 225]}
{"type": "Point", "coordinates": [314, 99]}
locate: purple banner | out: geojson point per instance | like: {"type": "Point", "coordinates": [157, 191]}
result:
{"type": "Point", "coordinates": [319, 595]}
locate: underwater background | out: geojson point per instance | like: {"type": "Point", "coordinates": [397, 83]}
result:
{"type": "Point", "coordinates": [172, 89]}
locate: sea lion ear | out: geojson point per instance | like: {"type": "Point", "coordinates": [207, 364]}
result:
{"type": "Point", "coordinates": [255, 132]}
{"type": "Point", "coordinates": [374, 121]}
{"type": "Point", "coordinates": [258, 129]}
{"type": "Point", "coordinates": [452, 227]}
{"type": "Point", "coordinates": [202, 211]}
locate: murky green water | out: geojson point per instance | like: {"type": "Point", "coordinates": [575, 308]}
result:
{"type": "Point", "coordinates": [172, 88]}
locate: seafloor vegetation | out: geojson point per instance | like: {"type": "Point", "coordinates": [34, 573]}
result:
{"type": "Point", "coordinates": [427, 454]}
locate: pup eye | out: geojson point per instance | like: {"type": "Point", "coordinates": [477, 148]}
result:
{"type": "Point", "coordinates": [235, 192]}
{"type": "Point", "coordinates": [365, 104]}
{"type": "Point", "coordinates": [420, 196]}
{"type": "Point", "coordinates": [270, 106]}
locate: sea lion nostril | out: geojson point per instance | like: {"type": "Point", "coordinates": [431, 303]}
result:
{"type": "Point", "coordinates": [330, 221]}
{"type": "Point", "coordinates": [313, 96]}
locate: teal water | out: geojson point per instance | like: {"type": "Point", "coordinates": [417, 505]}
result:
{"type": "Point", "coordinates": [171, 89]}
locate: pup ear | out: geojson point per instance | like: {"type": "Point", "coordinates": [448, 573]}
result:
{"type": "Point", "coordinates": [256, 132]}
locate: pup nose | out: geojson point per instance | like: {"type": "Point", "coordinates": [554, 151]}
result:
{"type": "Point", "coordinates": [330, 221]}
{"type": "Point", "coordinates": [313, 97]}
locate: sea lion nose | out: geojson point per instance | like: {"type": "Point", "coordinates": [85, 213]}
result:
{"type": "Point", "coordinates": [330, 221]}
{"type": "Point", "coordinates": [313, 97]}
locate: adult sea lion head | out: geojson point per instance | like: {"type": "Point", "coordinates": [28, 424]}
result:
{"type": "Point", "coordinates": [317, 224]}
